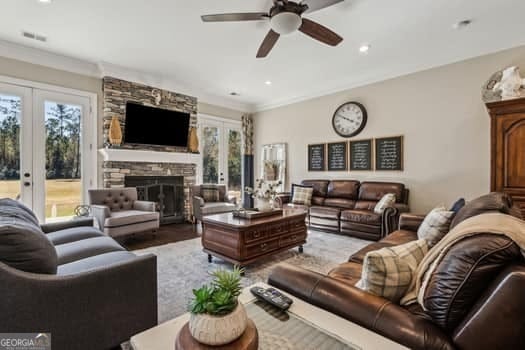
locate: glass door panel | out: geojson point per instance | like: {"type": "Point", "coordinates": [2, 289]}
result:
{"type": "Point", "coordinates": [15, 163]}
{"type": "Point", "coordinates": [210, 154]}
{"type": "Point", "coordinates": [63, 162]}
{"type": "Point", "coordinates": [234, 173]}
{"type": "Point", "coordinates": [63, 159]}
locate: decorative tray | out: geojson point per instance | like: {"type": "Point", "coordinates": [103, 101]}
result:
{"type": "Point", "coordinates": [253, 213]}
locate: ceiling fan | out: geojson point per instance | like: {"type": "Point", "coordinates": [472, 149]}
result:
{"type": "Point", "coordinates": [285, 17]}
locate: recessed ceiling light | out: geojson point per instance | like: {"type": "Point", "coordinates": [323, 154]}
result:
{"type": "Point", "coordinates": [267, 82]}
{"type": "Point", "coordinates": [462, 24]}
{"type": "Point", "coordinates": [364, 48]}
{"type": "Point", "coordinates": [45, 1]}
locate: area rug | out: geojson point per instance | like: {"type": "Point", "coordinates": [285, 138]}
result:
{"type": "Point", "coordinates": [182, 266]}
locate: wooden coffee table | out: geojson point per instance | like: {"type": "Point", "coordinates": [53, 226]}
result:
{"type": "Point", "coordinates": [244, 241]}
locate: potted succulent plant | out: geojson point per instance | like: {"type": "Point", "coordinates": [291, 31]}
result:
{"type": "Point", "coordinates": [217, 317]}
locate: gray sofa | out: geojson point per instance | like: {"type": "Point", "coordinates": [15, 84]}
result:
{"type": "Point", "coordinates": [73, 281]}
{"type": "Point", "coordinates": [223, 204]}
{"type": "Point", "coordinates": [119, 212]}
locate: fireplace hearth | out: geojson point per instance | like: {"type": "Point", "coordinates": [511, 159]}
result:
{"type": "Point", "coordinates": [166, 191]}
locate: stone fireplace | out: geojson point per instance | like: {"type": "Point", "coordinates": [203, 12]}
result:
{"type": "Point", "coordinates": [152, 165]}
{"type": "Point", "coordinates": [120, 167]}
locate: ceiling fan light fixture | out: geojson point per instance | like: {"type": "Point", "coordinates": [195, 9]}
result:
{"type": "Point", "coordinates": [286, 22]}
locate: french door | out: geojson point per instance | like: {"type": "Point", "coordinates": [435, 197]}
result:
{"type": "Point", "coordinates": [220, 147]}
{"type": "Point", "coordinates": [46, 157]}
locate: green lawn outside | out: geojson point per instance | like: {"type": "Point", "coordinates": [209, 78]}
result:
{"type": "Point", "coordinates": [64, 194]}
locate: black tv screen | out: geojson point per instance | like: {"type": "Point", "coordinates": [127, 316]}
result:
{"type": "Point", "coordinates": [155, 126]}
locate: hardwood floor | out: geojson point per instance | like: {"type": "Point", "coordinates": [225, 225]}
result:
{"type": "Point", "coordinates": [166, 234]}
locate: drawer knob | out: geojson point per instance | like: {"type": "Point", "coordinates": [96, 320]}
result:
{"type": "Point", "coordinates": [264, 246]}
{"type": "Point", "coordinates": [256, 234]}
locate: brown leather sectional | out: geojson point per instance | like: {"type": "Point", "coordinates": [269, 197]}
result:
{"type": "Point", "coordinates": [474, 300]}
{"type": "Point", "coordinates": [347, 207]}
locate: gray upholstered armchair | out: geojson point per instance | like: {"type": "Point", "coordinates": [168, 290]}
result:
{"type": "Point", "coordinates": [119, 212]}
{"type": "Point", "coordinates": [211, 199]}
{"type": "Point", "coordinates": [73, 281]}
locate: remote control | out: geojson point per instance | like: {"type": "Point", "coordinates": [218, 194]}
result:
{"type": "Point", "coordinates": [273, 297]}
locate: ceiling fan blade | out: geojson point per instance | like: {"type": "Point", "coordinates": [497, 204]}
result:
{"type": "Point", "coordinates": [314, 5]}
{"type": "Point", "coordinates": [234, 17]}
{"type": "Point", "coordinates": [268, 44]}
{"type": "Point", "coordinates": [319, 32]}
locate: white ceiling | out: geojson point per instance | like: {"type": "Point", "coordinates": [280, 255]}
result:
{"type": "Point", "coordinates": [166, 38]}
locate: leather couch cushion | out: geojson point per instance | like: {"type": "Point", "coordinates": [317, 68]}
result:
{"type": "Point", "coordinates": [317, 200]}
{"type": "Point", "coordinates": [365, 205]}
{"type": "Point", "coordinates": [73, 234]}
{"type": "Point", "coordinates": [131, 217]}
{"type": "Point", "coordinates": [325, 212]}
{"type": "Point", "coordinates": [359, 227]}
{"type": "Point", "coordinates": [85, 248]}
{"type": "Point", "coordinates": [400, 237]}
{"type": "Point", "coordinates": [320, 187]}
{"type": "Point", "coordinates": [359, 256]}
{"type": "Point", "coordinates": [361, 216]}
{"type": "Point", "coordinates": [492, 202]}
{"type": "Point", "coordinates": [464, 273]}
{"type": "Point", "coordinates": [343, 189]}
{"type": "Point", "coordinates": [23, 245]}
{"type": "Point", "coordinates": [374, 191]}
{"type": "Point", "coordinates": [95, 262]}
{"type": "Point", "coordinates": [349, 273]}
{"type": "Point", "coordinates": [340, 203]}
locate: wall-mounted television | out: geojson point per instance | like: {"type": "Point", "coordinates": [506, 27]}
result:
{"type": "Point", "coordinates": [155, 126]}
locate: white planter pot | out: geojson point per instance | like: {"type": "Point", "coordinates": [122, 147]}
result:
{"type": "Point", "coordinates": [263, 204]}
{"type": "Point", "coordinates": [218, 330]}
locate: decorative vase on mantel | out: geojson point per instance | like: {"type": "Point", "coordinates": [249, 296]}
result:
{"type": "Point", "coordinates": [115, 132]}
{"type": "Point", "coordinates": [263, 204]}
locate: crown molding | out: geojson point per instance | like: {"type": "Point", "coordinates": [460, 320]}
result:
{"type": "Point", "coordinates": [98, 70]}
{"type": "Point", "coordinates": [48, 59]}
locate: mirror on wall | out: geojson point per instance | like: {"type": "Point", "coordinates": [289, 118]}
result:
{"type": "Point", "coordinates": [273, 163]}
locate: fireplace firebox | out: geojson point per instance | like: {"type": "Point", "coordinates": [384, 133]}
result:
{"type": "Point", "coordinates": [166, 191]}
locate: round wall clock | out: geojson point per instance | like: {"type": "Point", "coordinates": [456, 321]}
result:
{"type": "Point", "coordinates": [349, 119]}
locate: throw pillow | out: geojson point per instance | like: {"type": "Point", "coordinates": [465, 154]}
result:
{"type": "Point", "coordinates": [388, 272]}
{"type": "Point", "coordinates": [388, 200]}
{"type": "Point", "coordinates": [23, 245]}
{"type": "Point", "coordinates": [435, 225]}
{"type": "Point", "coordinates": [210, 193]}
{"type": "Point", "coordinates": [302, 195]}
{"type": "Point", "coordinates": [460, 203]}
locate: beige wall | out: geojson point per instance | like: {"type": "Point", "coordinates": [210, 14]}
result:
{"type": "Point", "coordinates": [439, 112]}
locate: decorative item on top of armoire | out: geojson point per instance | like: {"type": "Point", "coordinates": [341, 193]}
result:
{"type": "Point", "coordinates": [511, 83]}
{"type": "Point", "coordinates": [247, 133]}
{"type": "Point", "coordinates": [193, 142]}
{"type": "Point", "coordinates": [115, 132]}
{"type": "Point", "coordinates": [157, 95]}
{"type": "Point", "coordinates": [507, 149]}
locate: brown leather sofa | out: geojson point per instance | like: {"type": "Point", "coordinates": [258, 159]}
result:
{"type": "Point", "coordinates": [475, 297]}
{"type": "Point", "coordinates": [347, 207]}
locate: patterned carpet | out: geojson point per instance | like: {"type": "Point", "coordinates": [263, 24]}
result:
{"type": "Point", "coordinates": [183, 266]}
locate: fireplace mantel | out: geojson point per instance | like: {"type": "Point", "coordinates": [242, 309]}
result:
{"type": "Point", "coordinates": [130, 155]}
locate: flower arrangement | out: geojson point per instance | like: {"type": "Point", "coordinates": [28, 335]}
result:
{"type": "Point", "coordinates": [264, 189]}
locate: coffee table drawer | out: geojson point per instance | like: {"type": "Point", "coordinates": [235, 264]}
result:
{"type": "Point", "coordinates": [292, 239]}
{"type": "Point", "coordinates": [261, 248]}
{"type": "Point", "coordinates": [277, 229]}
{"type": "Point", "coordinates": [297, 225]}
{"type": "Point", "coordinates": [255, 234]}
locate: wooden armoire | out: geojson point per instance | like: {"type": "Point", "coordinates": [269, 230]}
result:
{"type": "Point", "coordinates": [508, 148]}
